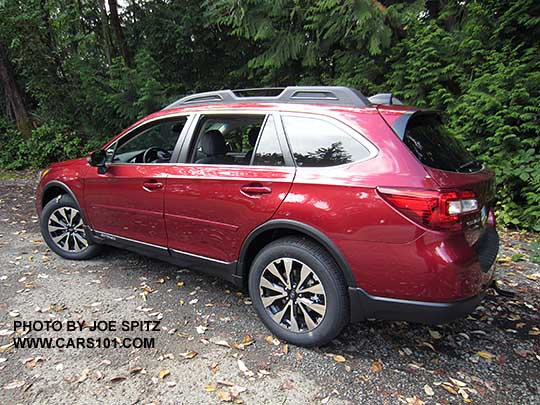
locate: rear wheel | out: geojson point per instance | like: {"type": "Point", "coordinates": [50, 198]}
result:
{"type": "Point", "coordinates": [62, 227]}
{"type": "Point", "coordinates": [299, 291]}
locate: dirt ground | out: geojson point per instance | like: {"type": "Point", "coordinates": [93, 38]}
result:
{"type": "Point", "coordinates": [211, 348]}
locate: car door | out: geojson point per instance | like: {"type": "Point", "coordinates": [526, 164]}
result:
{"type": "Point", "coordinates": [126, 202]}
{"type": "Point", "coordinates": [213, 201]}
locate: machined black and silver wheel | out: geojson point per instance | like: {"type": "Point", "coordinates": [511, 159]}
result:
{"type": "Point", "coordinates": [293, 294]}
{"type": "Point", "coordinates": [62, 227]}
{"type": "Point", "coordinates": [299, 291]}
{"type": "Point", "coordinates": [65, 227]}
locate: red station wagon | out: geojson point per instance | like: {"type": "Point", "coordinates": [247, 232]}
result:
{"type": "Point", "coordinates": [327, 206]}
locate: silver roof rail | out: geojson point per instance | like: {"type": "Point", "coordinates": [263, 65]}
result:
{"type": "Point", "coordinates": [324, 95]}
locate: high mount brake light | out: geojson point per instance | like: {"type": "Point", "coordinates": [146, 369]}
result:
{"type": "Point", "coordinates": [432, 209]}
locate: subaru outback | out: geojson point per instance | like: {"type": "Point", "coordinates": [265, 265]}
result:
{"type": "Point", "coordinates": [325, 205]}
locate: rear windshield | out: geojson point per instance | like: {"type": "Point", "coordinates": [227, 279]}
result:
{"type": "Point", "coordinates": [429, 140]}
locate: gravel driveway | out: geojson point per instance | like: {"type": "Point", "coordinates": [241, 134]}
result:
{"type": "Point", "coordinates": [211, 348]}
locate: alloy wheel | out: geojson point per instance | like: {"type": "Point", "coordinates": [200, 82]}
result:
{"type": "Point", "coordinates": [65, 227]}
{"type": "Point", "coordinates": [293, 295]}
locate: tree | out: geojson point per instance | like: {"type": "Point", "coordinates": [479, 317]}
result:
{"type": "Point", "coordinates": [119, 32]}
{"type": "Point", "coordinates": [14, 95]}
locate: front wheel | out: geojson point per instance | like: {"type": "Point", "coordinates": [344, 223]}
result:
{"type": "Point", "coordinates": [299, 292]}
{"type": "Point", "coordinates": [62, 227]}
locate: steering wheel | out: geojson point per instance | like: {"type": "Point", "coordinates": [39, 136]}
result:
{"type": "Point", "coordinates": [156, 153]}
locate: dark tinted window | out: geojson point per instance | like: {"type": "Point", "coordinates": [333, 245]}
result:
{"type": "Point", "coordinates": [434, 146]}
{"type": "Point", "coordinates": [268, 149]}
{"type": "Point", "coordinates": [318, 143]}
{"type": "Point", "coordinates": [226, 139]}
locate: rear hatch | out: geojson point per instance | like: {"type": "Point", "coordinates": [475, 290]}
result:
{"type": "Point", "coordinates": [450, 165]}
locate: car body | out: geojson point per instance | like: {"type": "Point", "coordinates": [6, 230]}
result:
{"type": "Point", "coordinates": [372, 204]}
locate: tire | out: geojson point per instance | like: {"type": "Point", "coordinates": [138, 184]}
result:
{"type": "Point", "coordinates": [61, 216]}
{"type": "Point", "coordinates": [312, 271]}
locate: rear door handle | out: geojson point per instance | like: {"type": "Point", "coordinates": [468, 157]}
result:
{"type": "Point", "coordinates": [255, 189]}
{"type": "Point", "coordinates": [152, 185]}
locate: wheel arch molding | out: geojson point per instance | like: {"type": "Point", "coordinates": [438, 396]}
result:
{"type": "Point", "coordinates": [283, 227]}
{"type": "Point", "coordinates": [58, 184]}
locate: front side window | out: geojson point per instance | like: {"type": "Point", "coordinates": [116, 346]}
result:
{"type": "Point", "coordinates": [226, 139]}
{"type": "Point", "coordinates": [319, 143]}
{"type": "Point", "coordinates": [152, 144]}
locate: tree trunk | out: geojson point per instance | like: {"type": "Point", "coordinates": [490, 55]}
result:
{"type": "Point", "coordinates": [107, 43]}
{"type": "Point", "coordinates": [14, 97]}
{"type": "Point", "coordinates": [119, 32]}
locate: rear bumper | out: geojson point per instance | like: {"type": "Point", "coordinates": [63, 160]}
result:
{"type": "Point", "coordinates": [365, 306]}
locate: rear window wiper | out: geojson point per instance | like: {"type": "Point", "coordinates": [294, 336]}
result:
{"type": "Point", "coordinates": [468, 164]}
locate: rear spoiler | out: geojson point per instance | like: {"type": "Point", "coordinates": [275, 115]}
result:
{"type": "Point", "coordinates": [399, 123]}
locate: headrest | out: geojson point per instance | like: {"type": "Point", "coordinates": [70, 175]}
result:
{"type": "Point", "coordinates": [213, 143]}
{"type": "Point", "coordinates": [253, 134]}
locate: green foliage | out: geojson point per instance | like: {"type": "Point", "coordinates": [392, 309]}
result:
{"type": "Point", "coordinates": [476, 60]}
{"type": "Point", "coordinates": [47, 144]}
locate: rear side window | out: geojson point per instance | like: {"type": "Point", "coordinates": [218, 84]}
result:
{"type": "Point", "coordinates": [429, 140]}
{"type": "Point", "coordinates": [268, 149]}
{"type": "Point", "coordinates": [319, 143]}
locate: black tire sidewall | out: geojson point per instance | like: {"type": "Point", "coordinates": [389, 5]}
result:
{"type": "Point", "coordinates": [58, 202]}
{"type": "Point", "coordinates": [337, 314]}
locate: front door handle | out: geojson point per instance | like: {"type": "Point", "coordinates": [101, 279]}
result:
{"type": "Point", "coordinates": [152, 185]}
{"type": "Point", "coordinates": [255, 189]}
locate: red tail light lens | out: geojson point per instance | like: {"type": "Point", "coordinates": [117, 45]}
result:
{"type": "Point", "coordinates": [432, 209]}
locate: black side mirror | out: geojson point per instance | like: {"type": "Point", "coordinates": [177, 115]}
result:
{"type": "Point", "coordinates": [98, 159]}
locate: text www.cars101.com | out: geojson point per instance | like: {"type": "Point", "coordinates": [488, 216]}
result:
{"type": "Point", "coordinates": [83, 343]}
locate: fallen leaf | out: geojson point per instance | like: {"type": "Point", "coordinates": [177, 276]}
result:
{"type": "Point", "coordinates": [31, 363]}
{"type": "Point", "coordinates": [180, 284]}
{"type": "Point", "coordinates": [242, 366]}
{"type": "Point", "coordinates": [434, 334]}
{"type": "Point", "coordinates": [220, 343]}
{"type": "Point", "coordinates": [457, 383]}
{"type": "Point", "coordinates": [414, 401]}
{"type": "Point", "coordinates": [188, 355]}
{"type": "Point", "coordinates": [428, 390]}
{"type": "Point", "coordinates": [83, 376]}
{"type": "Point", "coordinates": [285, 349]}
{"type": "Point", "coordinates": [210, 388]}
{"type": "Point", "coordinates": [376, 366]}
{"type": "Point", "coordinates": [164, 373]}
{"type": "Point", "coordinates": [339, 358]}
{"type": "Point", "coordinates": [135, 370]}
{"type": "Point", "coordinates": [224, 396]}
{"type": "Point", "coordinates": [14, 385]}
{"type": "Point", "coordinates": [213, 367]}
{"type": "Point", "coordinates": [272, 340]}
{"type": "Point", "coordinates": [227, 383]}
{"type": "Point", "coordinates": [236, 390]}
{"type": "Point", "coordinates": [118, 378]}
{"type": "Point", "coordinates": [485, 355]}
{"type": "Point", "coordinates": [448, 387]}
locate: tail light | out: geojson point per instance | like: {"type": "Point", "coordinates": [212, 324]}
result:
{"type": "Point", "coordinates": [432, 209]}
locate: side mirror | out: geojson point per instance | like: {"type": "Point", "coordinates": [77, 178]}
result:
{"type": "Point", "coordinates": [98, 159]}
